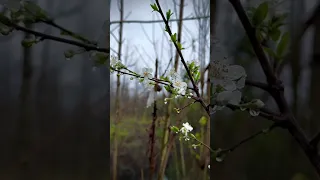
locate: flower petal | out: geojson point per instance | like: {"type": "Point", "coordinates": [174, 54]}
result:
{"type": "Point", "coordinates": [151, 98]}
{"type": "Point", "coordinates": [228, 85]}
{"type": "Point", "coordinates": [241, 82]}
{"type": "Point", "coordinates": [232, 97]}
{"type": "Point", "coordinates": [235, 72]}
{"type": "Point", "coordinates": [235, 97]}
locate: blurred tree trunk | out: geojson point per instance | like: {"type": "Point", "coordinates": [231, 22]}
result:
{"type": "Point", "coordinates": [314, 96]}
{"type": "Point", "coordinates": [297, 8]}
{"type": "Point", "coordinates": [26, 115]}
{"type": "Point", "coordinates": [117, 103]}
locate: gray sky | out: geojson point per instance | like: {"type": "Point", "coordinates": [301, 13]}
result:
{"type": "Point", "coordinates": [137, 37]}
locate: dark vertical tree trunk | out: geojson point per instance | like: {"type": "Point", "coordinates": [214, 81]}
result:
{"type": "Point", "coordinates": [25, 117]}
{"type": "Point", "coordinates": [314, 96]}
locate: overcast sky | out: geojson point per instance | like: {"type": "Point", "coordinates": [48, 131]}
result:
{"type": "Point", "coordinates": [137, 37]}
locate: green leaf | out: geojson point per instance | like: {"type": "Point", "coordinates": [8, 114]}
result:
{"type": "Point", "coordinates": [197, 76]}
{"type": "Point", "coordinates": [275, 34]}
{"type": "Point", "coordinates": [198, 135]}
{"type": "Point", "coordinates": [283, 44]}
{"type": "Point", "coordinates": [260, 14]}
{"type": "Point", "coordinates": [174, 37]}
{"type": "Point", "coordinates": [174, 129]}
{"type": "Point", "coordinates": [100, 58]}
{"type": "Point", "coordinates": [203, 121]}
{"type": "Point", "coordinates": [27, 43]}
{"type": "Point", "coordinates": [278, 21]}
{"type": "Point", "coordinates": [34, 9]}
{"type": "Point", "coordinates": [193, 136]}
{"type": "Point", "coordinates": [154, 7]}
{"type": "Point", "coordinates": [168, 88]}
{"type": "Point", "coordinates": [270, 52]}
{"type": "Point", "coordinates": [179, 46]}
{"type": "Point", "coordinates": [69, 54]}
{"type": "Point", "coordinates": [169, 14]}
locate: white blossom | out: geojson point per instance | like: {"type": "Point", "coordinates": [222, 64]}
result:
{"type": "Point", "coordinates": [180, 87]}
{"type": "Point", "coordinates": [147, 73]}
{"type": "Point", "coordinates": [174, 76]}
{"type": "Point", "coordinates": [186, 128]}
{"type": "Point", "coordinates": [229, 77]}
{"type": "Point", "coordinates": [229, 97]}
{"type": "Point", "coordinates": [151, 98]}
{"type": "Point", "coordinates": [114, 61]}
{"type": "Point", "coordinates": [258, 103]}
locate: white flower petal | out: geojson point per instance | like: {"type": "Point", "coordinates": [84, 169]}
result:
{"type": "Point", "coordinates": [254, 112]}
{"type": "Point", "coordinates": [187, 126]}
{"type": "Point", "coordinates": [151, 98]}
{"type": "Point", "coordinates": [235, 97]}
{"type": "Point", "coordinates": [223, 97]}
{"type": "Point", "coordinates": [228, 85]}
{"type": "Point", "coordinates": [235, 72]}
{"type": "Point", "coordinates": [232, 97]}
{"type": "Point", "coordinates": [241, 82]}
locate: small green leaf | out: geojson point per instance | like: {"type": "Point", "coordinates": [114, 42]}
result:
{"type": "Point", "coordinates": [154, 7]}
{"type": "Point", "coordinates": [69, 54]}
{"type": "Point", "coordinates": [260, 14]}
{"type": "Point", "coordinates": [283, 44]}
{"type": "Point", "coordinates": [197, 156]}
{"type": "Point", "coordinates": [179, 46]}
{"type": "Point", "coordinates": [174, 37]}
{"type": "Point", "coordinates": [34, 9]}
{"type": "Point", "coordinates": [203, 121]}
{"type": "Point", "coordinates": [278, 21]}
{"type": "Point", "coordinates": [198, 135]}
{"type": "Point", "coordinates": [27, 43]}
{"type": "Point", "coordinates": [270, 52]}
{"type": "Point", "coordinates": [168, 88]}
{"type": "Point", "coordinates": [275, 34]}
{"type": "Point", "coordinates": [174, 129]}
{"type": "Point", "coordinates": [197, 76]}
{"type": "Point", "coordinates": [169, 14]}
{"type": "Point", "coordinates": [193, 136]}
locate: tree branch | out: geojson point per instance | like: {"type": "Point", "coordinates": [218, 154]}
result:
{"type": "Point", "coordinates": [54, 38]}
{"type": "Point", "coordinates": [315, 140]}
{"type": "Point", "coordinates": [259, 85]}
{"type": "Point", "coordinates": [264, 112]}
{"type": "Point", "coordinates": [158, 21]}
{"type": "Point", "coordinates": [196, 89]}
{"type": "Point", "coordinates": [247, 139]}
{"type": "Point", "coordinates": [278, 94]}
{"type": "Point", "coordinates": [68, 32]}
{"type": "Point", "coordinates": [251, 33]}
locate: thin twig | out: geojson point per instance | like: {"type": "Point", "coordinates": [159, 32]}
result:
{"type": "Point", "coordinates": [55, 38]}
{"type": "Point", "coordinates": [54, 24]}
{"type": "Point", "coordinates": [247, 139]}
{"type": "Point", "coordinates": [158, 21]}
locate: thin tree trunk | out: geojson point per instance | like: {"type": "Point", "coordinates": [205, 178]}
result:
{"type": "Point", "coordinates": [117, 103]}
{"type": "Point", "coordinates": [166, 148]}
{"type": "Point", "coordinates": [25, 118]}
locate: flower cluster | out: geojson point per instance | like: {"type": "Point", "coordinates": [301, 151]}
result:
{"type": "Point", "coordinates": [180, 87]}
{"type": "Point", "coordinates": [186, 128]}
{"type": "Point", "coordinates": [115, 63]}
{"type": "Point", "coordinates": [227, 81]}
